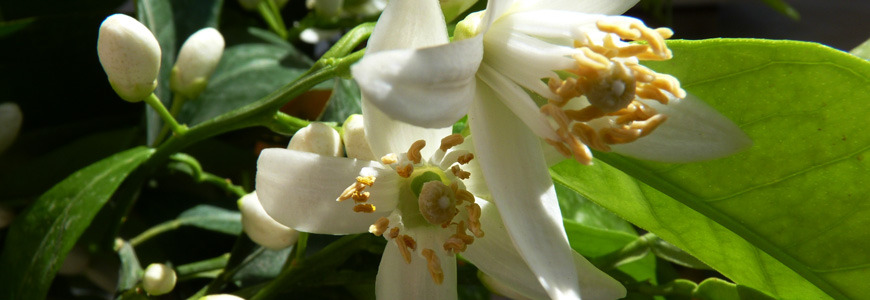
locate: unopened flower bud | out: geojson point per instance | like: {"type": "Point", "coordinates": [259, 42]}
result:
{"type": "Point", "coordinates": [159, 279]}
{"type": "Point", "coordinates": [355, 142]}
{"type": "Point", "coordinates": [261, 228]}
{"type": "Point", "coordinates": [317, 138]}
{"type": "Point", "coordinates": [130, 55]}
{"type": "Point", "coordinates": [197, 59]}
{"type": "Point", "coordinates": [222, 297]}
{"type": "Point", "coordinates": [10, 124]}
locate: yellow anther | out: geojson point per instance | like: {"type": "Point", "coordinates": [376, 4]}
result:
{"type": "Point", "coordinates": [557, 113]}
{"type": "Point", "coordinates": [414, 151]}
{"type": "Point", "coordinates": [389, 159]}
{"type": "Point", "coordinates": [364, 208]}
{"type": "Point", "coordinates": [564, 150]}
{"type": "Point", "coordinates": [580, 151]}
{"type": "Point", "coordinates": [458, 172]}
{"type": "Point", "coordinates": [366, 180]}
{"type": "Point", "coordinates": [360, 197]}
{"type": "Point", "coordinates": [380, 226]}
{"type": "Point", "coordinates": [670, 84]}
{"type": "Point", "coordinates": [434, 265]}
{"type": "Point", "coordinates": [405, 170]}
{"type": "Point", "coordinates": [394, 232]}
{"type": "Point", "coordinates": [474, 219]}
{"type": "Point", "coordinates": [647, 91]}
{"type": "Point", "coordinates": [588, 60]}
{"type": "Point", "coordinates": [463, 196]}
{"type": "Point", "coordinates": [589, 137]}
{"type": "Point", "coordinates": [465, 158]}
{"type": "Point", "coordinates": [450, 141]}
{"type": "Point", "coordinates": [585, 114]}
{"type": "Point", "coordinates": [403, 248]}
{"type": "Point", "coordinates": [459, 241]}
{"type": "Point", "coordinates": [649, 125]}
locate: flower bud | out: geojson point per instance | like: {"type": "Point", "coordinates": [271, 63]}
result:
{"type": "Point", "coordinates": [222, 297]}
{"type": "Point", "coordinates": [261, 228]}
{"type": "Point", "coordinates": [130, 55]}
{"type": "Point", "coordinates": [355, 142]}
{"type": "Point", "coordinates": [317, 138]}
{"type": "Point", "coordinates": [197, 59]}
{"type": "Point", "coordinates": [10, 124]}
{"type": "Point", "coordinates": [159, 279]}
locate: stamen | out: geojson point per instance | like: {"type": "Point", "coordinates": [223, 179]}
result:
{"type": "Point", "coordinates": [366, 180]}
{"type": "Point", "coordinates": [389, 159]}
{"type": "Point", "coordinates": [364, 208]}
{"type": "Point", "coordinates": [559, 147]}
{"type": "Point", "coordinates": [464, 159]}
{"type": "Point", "coordinates": [464, 196]}
{"type": "Point", "coordinates": [414, 151]}
{"type": "Point", "coordinates": [585, 114]}
{"type": "Point", "coordinates": [380, 226]}
{"type": "Point", "coordinates": [459, 241]}
{"type": "Point", "coordinates": [474, 219]}
{"type": "Point", "coordinates": [405, 170]}
{"type": "Point", "coordinates": [450, 141]}
{"type": "Point", "coordinates": [434, 265]}
{"type": "Point", "coordinates": [360, 197]}
{"type": "Point", "coordinates": [403, 248]}
{"type": "Point", "coordinates": [394, 232]}
{"type": "Point", "coordinates": [458, 172]}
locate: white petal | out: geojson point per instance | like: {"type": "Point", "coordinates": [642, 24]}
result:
{"type": "Point", "coordinates": [496, 86]}
{"type": "Point", "coordinates": [495, 255]}
{"type": "Point", "coordinates": [610, 7]}
{"type": "Point", "coordinates": [261, 228]}
{"type": "Point", "coordinates": [525, 59]}
{"type": "Point", "coordinates": [298, 189]}
{"type": "Point", "coordinates": [428, 87]}
{"type": "Point", "coordinates": [408, 24]}
{"type": "Point", "coordinates": [693, 131]}
{"type": "Point", "coordinates": [514, 167]}
{"type": "Point", "coordinates": [551, 24]}
{"type": "Point", "coordinates": [400, 280]}
{"type": "Point", "coordinates": [386, 135]}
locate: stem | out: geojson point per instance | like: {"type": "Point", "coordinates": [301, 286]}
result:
{"type": "Point", "coordinates": [210, 264]}
{"type": "Point", "coordinates": [272, 16]}
{"type": "Point", "coordinates": [200, 176]}
{"type": "Point", "coordinates": [634, 250]}
{"type": "Point", "coordinates": [155, 231]}
{"type": "Point", "coordinates": [177, 102]}
{"type": "Point", "coordinates": [167, 117]}
{"type": "Point", "coordinates": [286, 124]}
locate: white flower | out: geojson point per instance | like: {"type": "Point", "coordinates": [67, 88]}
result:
{"type": "Point", "coordinates": [130, 55]}
{"type": "Point", "coordinates": [197, 60]}
{"type": "Point", "coordinates": [605, 100]}
{"type": "Point", "coordinates": [10, 124]}
{"type": "Point", "coordinates": [159, 279]}
{"type": "Point", "coordinates": [261, 228]}
{"type": "Point", "coordinates": [222, 297]}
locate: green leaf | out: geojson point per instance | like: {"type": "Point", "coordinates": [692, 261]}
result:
{"type": "Point", "coordinates": [40, 238]}
{"type": "Point", "coordinates": [344, 101]}
{"type": "Point", "coordinates": [789, 215]}
{"type": "Point", "coordinates": [862, 51]}
{"type": "Point", "coordinates": [261, 265]}
{"type": "Point", "coordinates": [157, 16]}
{"type": "Point", "coordinates": [671, 253]}
{"type": "Point", "coordinates": [11, 27]}
{"type": "Point", "coordinates": [246, 73]}
{"type": "Point", "coordinates": [718, 289]}
{"type": "Point", "coordinates": [783, 8]}
{"type": "Point", "coordinates": [212, 218]}
{"type": "Point", "coordinates": [131, 269]}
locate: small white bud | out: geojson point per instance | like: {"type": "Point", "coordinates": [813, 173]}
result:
{"type": "Point", "coordinates": [197, 59]}
{"type": "Point", "coordinates": [355, 142]}
{"type": "Point", "coordinates": [10, 124]}
{"type": "Point", "coordinates": [261, 228]}
{"type": "Point", "coordinates": [317, 138]}
{"type": "Point", "coordinates": [130, 55]}
{"type": "Point", "coordinates": [159, 279]}
{"type": "Point", "coordinates": [222, 297]}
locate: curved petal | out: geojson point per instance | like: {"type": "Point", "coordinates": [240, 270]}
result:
{"type": "Point", "coordinates": [610, 7]}
{"type": "Point", "coordinates": [408, 24]}
{"type": "Point", "coordinates": [517, 175]}
{"type": "Point", "coordinates": [693, 131]}
{"type": "Point", "coordinates": [429, 87]}
{"type": "Point", "coordinates": [298, 189]}
{"type": "Point", "coordinates": [387, 135]}
{"type": "Point", "coordinates": [496, 86]}
{"type": "Point", "coordinates": [400, 280]}
{"type": "Point", "coordinates": [525, 59]}
{"type": "Point", "coordinates": [495, 255]}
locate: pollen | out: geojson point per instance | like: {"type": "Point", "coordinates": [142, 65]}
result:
{"type": "Point", "coordinates": [458, 172]}
{"type": "Point", "coordinates": [356, 190]}
{"type": "Point", "coordinates": [404, 248]}
{"type": "Point", "coordinates": [464, 159]}
{"type": "Point", "coordinates": [434, 265]}
{"type": "Point", "coordinates": [389, 159]}
{"type": "Point", "coordinates": [364, 208]}
{"type": "Point", "coordinates": [405, 170]}
{"type": "Point", "coordinates": [450, 141]}
{"type": "Point", "coordinates": [380, 226]}
{"type": "Point", "coordinates": [459, 241]}
{"type": "Point", "coordinates": [474, 219]}
{"type": "Point", "coordinates": [394, 232]}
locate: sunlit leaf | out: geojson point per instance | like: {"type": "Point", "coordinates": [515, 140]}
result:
{"type": "Point", "coordinates": [40, 238]}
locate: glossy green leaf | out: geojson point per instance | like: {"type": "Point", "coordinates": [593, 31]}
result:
{"type": "Point", "coordinates": [671, 253]}
{"type": "Point", "coordinates": [344, 101]}
{"type": "Point", "coordinates": [157, 16]}
{"type": "Point", "coordinates": [718, 289]}
{"type": "Point", "coordinates": [246, 73]}
{"type": "Point", "coordinates": [789, 215]}
{"type": "Point", "coordinates": [40, 238]}
{"type": "Point", "coordinates": [212, 218]}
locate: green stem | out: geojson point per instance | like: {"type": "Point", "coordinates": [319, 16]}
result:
{"type": "Point", "coordinates": [155, 231]}
{"type": "Point", "coordinates": [210, 264]}
{"type": "Point", "coordinates": [195, 171]}
{"type": "Point", "coordinates": [167, 117]}
{"type": "Point", "coordinates": [634, 250]}
{"type": "Point", "coordinates": [272, 15]}
{"type": "Point", "coordinates": [177, 102]}
{"type": "Point", "coordinates": [286, 124]}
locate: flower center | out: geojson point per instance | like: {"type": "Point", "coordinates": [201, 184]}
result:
{"type": "Point", "coordinates": [608, 74]}
{"type": "Point", "coordinates": [441, 201]}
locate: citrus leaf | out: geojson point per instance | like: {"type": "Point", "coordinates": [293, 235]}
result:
{"type": "Point", "coordinates": [40, 238]}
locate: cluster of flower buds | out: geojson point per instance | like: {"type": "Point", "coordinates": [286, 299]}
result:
{"type": "Point", "coordinates": [130, 55]}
